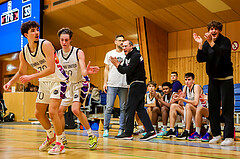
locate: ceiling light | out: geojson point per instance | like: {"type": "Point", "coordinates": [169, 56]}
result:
{"type": "Point", "coordinates": [214, 5]}
{"type": "Point", "coordinates": [90, 31]}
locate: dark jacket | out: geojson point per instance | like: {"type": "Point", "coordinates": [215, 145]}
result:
{"type": "Point", "coordinates": [133, 66]}
{"type": "Point", "coordinates": [218, 58]}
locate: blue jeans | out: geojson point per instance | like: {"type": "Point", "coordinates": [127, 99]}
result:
{"type": "Point", "coordinates": [112, 92]}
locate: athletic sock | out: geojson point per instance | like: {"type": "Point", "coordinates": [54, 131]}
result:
{"type": "Point", "coordinates": [187, 131]}
{"type": "Point", "coordinates": [209, 130]}
{"type": "Point", "coordinates": [165, 127]}
{"type": "Point", "coordinates": [63, 134]}
{"type": "Point", "coordinates": [50, 133]}
{"type": "Point", "coordinates": [198, 129]}
{"type": "Point", "coordinates": [90, 133]}
{"type": "Point", "coordinates": [154, 126]}
{"type": "Point", "coordinates": [59, 138]}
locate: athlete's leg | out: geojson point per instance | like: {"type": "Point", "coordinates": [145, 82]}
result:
{"type": "Point", "coordinates": [61, 113]}
{"type": "Point", "coordinates": [80, 115]}
{"type": "Point", "coordinates": [190, 112]}
{"type": "Point", "coordinates": [53, 113]}
{"type": "Point", "coordinates": [40, 114]}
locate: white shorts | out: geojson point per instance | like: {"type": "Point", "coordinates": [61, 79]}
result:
{"type": "Point", "coordinates": [73, 94]}
{"type": "Point", "coordinates": [48, 90]}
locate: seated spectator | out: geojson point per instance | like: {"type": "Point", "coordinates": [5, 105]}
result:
{"type": "Point", "coordinates": [95, 97]}
{"type": "Point", "coordinates": [150, 102]}
{"type": "Point", "coordinates": [27, 89]}
{"type": "Point", "coordinates": [35, 88]}
{"type": "Point", "coordinates": [176, 85]}
{"type": "Point", "coordinates": [163, 108]}
{"type": "Point", "coordinates": [192, 92]}
{"type": "Point", "coordinates": [160, 90]}
{"type": "Point", "coordinates": [31, 88]}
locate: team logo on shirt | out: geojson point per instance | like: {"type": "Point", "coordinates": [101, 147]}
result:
{"type": "Point", "coordinates": [75, 96]}
{"type": "Point", "coordinates": [55, 92]}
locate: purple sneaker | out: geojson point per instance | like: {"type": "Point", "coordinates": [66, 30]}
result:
{"type": "Point", "coordinates": [206, 137]}
{"type": "Point", "coordinates": [194, 136]}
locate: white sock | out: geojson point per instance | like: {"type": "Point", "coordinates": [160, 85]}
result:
{"type": "Point", "coordinates": [154, 126]}
{"type": "Point", "coordinates": [140, 126]}
{"type": "Point", "coordinates": [50, 133]}
{"type": "Point", "coordinates": [187, 130]}
{"type": "Point", "coordinates": [63, 134]}
{"type": "Point", "coordinates": [90, 133]}
{"type": "Point", "coordinates": [165, 127]}
{"type": "Point", "coordinates": [172, 129]}
{"type": "Point", "coordinates": [198, 129]}
{"type": "Point", "coordinates": [59, 138]}
{"type": "Point", "coordinates": [209, 130]}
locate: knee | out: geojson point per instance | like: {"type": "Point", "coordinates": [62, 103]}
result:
{"type": "Point", "coordinates": [52, 113]}
{"type": "Point", "coordinates": [75, 110]}
{"type": "Point", "coordinates": [155, 109]}
{"type": "Point", "coordinates": [173, 107]}
{"type": "Point", "coordinates": [109, 110]}
{"type": "Point", "coordinates": [199, 110]}
{"type": "Point", "coordinates": [38, 114]}
{"type": "Point", "coordinates": [188, 107]}
{"type": "Point", "coordinates": [164, 109]}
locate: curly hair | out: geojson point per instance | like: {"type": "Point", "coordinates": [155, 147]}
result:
{"type": "Point", "coordinates": [214, 24]}
{"type": "Point", "coordinates": [28, 25]}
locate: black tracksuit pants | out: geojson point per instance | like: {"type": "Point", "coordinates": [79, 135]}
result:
{"type": "Point", "coordinates": [221, 90]}
{"type": "Point", "coordinates": [135, 103]}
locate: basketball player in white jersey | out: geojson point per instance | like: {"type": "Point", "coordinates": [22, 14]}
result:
{"type": "Point", "coordinates": [41, 55]}
{"type": "Point", "coordinates": [73, 61]}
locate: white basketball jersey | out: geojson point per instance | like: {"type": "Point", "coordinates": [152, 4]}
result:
{"type": "Point", "coordinates": [190, 94]}
{"type": "Point", "coordinates": [38, 61]}
{"type": "Point", "coordinates": [70, 63]}
{"type": "Point", "coordinates": [150, 100]}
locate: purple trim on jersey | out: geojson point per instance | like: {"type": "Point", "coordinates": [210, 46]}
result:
{"type": "Point", "coordinates": [63, 90]}
{"type": "Point", "coordinates": [85, 88]}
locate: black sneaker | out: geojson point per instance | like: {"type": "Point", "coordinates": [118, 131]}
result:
{"type": "Point", "coordinates": [170, 134]}
{"type": "Point", "coordinates": [184, 135]}
{"type": "Point", "coordinates": [124, 136]}
{"type": "Point", "coordinates": [149, 135]}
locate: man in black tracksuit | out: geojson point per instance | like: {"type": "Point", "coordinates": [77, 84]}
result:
{"type": "Point", "coordinates": [134, 68]}
{"type": "Point", "coordinates": [216, 52]}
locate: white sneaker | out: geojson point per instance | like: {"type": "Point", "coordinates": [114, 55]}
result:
{"type": "Point", "coordinates": [215, 140]}
{"type": "Point", "coordinates": [227, 142]}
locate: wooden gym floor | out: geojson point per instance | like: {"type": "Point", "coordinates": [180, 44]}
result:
{"type": "Point", "coordinates": [22, 142]}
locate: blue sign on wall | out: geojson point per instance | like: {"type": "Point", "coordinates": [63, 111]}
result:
{"type": "Point", "coordinates": [13, 13]}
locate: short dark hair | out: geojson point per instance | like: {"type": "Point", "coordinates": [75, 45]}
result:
{"type": "Point", "coordinates": [28, 25]}
{"type": "Point", "coordinates": [119, 36]}
{"type": "Point", "coordinates": [167, 84]}
{"type": "Point", "coordinates": [214, 24]}
{"type": "Point", "coordinates": [65, 31]}
{"type": "Point", "coordinates": [175, 73]}
{"type": "Point", "coordinates": [129, 42]}
{"type": "Point", "coordinates": [152, 83]}
{"type": "Point", "coordinates": [189, 74]}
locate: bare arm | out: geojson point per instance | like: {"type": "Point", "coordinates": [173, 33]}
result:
{"type": "Point", "coordinates": [21, 71]}
{"type": "Point", "coordinates": [106, 70]}
{"type": "Point", "coordinates": [49, 51]}
{"type": "Point", "coordinates": [165, 103]}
